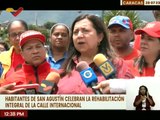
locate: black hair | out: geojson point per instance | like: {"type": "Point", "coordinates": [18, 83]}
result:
{"type": "Point", "coordinates": [21, 21]}
{"type": "Point", "coordinates": [145, 89]}
{"type": "Point", "coordinates": [6, 46]}
{"type": "Point", "coordinates": [54, 27]}
{"type": "Point", "coordinates": [59, 24]}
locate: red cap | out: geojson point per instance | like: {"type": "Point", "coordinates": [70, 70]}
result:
{"type": "Point", "coordinates": [29, 35]}
{"type": "Point", "coordinates": [152, 29]}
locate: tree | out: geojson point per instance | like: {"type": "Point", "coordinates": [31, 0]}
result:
{"type": "Point", "coordinates": [41, 29]}
{"type": "Point", "coordinates": [44, 29]}
{"type": "Point", "coordinates": [133, 15]}
{"type": "Point", "coordinates": [48, 25]}
{"type": "Point", "coordinates": [33, 27]}
{"type": "Point", "coordinates": [3, 34]}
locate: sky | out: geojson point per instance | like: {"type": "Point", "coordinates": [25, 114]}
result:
{"type": "Point", "coordinates": [67, 16]}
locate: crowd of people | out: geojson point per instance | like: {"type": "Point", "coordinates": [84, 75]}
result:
{"type": "Point", "coordinates": [27, 61]}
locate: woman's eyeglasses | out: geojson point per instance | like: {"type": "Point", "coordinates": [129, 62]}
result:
{"type": "Point", "coordinates": [14, 34]}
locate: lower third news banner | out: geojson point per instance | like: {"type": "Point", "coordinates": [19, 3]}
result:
{"type": "Point", "coordinates": [44, 102]}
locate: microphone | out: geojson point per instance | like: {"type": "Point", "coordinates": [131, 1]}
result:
{"type": "Point", "coordinates": [88, 76]}
{"type": "Point", "coordinates": [105, 66]}
{"type": "Point", "coordinates": [49, 85]}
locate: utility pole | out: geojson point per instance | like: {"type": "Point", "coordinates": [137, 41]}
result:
{"type": "Point", "coordinates": [79, 11]}
{"type": "Point", "coordinates": [103, 12]}
{"type": "Point", "coordinates": [36, 21]}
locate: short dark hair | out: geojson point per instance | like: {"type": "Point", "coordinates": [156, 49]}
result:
{"type": "Point", "coordinates": [21, 21]}
{"type": "Point", "coordinates": [5, 45]}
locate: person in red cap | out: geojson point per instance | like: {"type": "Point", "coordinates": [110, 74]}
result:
{"type": "Point", "coordinates": [35, 68]}
{"type": "Point", "coordinates": [156, 14]}
{"type": "Point", "coordinates": [150, 50]}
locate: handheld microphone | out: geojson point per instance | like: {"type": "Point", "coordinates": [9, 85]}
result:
{"type": "Point", "coordinates": [88, 76]}
{"type": "Point", "coordinates": [49, 85]}
{"type": "Point", "coordinates": [105, 66]}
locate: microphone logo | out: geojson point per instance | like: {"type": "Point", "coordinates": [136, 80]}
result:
{"type": "Point", "coordinates": [106, 68]}
{"type": "Point", "coordinates": [87, 74]}
{"type": "Point", "coordinates": [49, 85]}
{"type": "Point", "coordinates": [46, 87]}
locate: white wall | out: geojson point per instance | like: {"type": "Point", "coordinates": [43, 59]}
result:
{"type": "Point", "coordinates": [153, 89]}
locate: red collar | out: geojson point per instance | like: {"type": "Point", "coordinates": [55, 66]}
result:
{"type": "Point", "coordinates": [44, 67]}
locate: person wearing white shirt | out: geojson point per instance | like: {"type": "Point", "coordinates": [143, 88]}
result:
{"type": "Point", "coordinates": [157, 69]}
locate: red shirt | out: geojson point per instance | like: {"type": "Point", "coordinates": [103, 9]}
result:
{"type": "Point", "coordinates": [134, 54]}
{"type": "Point", "coordinates": [16, 63]}
{"type": "Point", "coordinates": [147, 71]}
{"type": "Point", "coordinates": [29, 74]}
{"type": "Point", "coordinates": [73, 83]}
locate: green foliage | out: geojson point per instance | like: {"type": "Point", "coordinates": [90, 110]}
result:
{"type": "Point", "coordinates": [32, 27]}
{"type": "Point", "coordinates": [44, 29]}
{"type": "Point", "coordinates": [41, 29]}
{"type": "Point", "coordinates": [3, 33]}
{"type": "Point", "coordinates": [4, 36]}
{"type": "Point", "coordinates": [133, 15]}
{"type": "Point", "coordinates": [48, 25]}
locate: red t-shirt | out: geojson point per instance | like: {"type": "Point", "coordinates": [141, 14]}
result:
{"type": "Point", "coordinates": [134, 54]}
{"type": "Point", "coordinates": [147, 71]}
